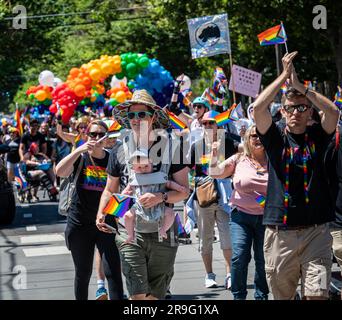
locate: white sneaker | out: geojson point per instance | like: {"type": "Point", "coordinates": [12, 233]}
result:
{"type": "Point", "coordinates": [210, 280]}
{"type": "Point", "coordinates": [228, 282]}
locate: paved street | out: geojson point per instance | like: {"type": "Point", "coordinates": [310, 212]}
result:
{"type": "Point", "coordinates": [35, 243]}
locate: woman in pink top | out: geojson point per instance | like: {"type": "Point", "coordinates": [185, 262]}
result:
{"type": "Point", "coordinates": [249, 175]}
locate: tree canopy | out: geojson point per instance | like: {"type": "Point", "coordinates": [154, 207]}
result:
{"type": "Point", "coordinates": [63, 34]}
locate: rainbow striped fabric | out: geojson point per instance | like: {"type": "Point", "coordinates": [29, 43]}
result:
{"type": "Point", "coordinates": [118, 205]}
{"type": "Point", "coordinates": [79, 141]}
{"type": "Point", "coordinates": [224, 117]}
{"type": "Point", "coordinates": [261, 200]}
{"type": "Point", "coordinates": [114, 127]}
{"type": "Point", "coordinates": [283, 88]}
{"type": "Point", "coordinates": [180, 228]}
{"type": "Point", "coordinates": [176, 123]}
{"type": "Point", "coordinates": [19, 125]}
{"type": "Point", "coordinates": [338, 100]}
{"type": "Point", "coordinates": [274, 35]}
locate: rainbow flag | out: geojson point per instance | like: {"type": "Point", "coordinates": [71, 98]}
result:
{"type": "Point", "coordinates": [205, 164]}
{"type": "Point", "coordinates": [283, 88]}
{"type": "Point", "coordinates": [114, 127]}
{"type": "Point", "coordinates": [209, 95]}
{"type": "Point", "coordinates": [19, 178]}
{"type": "Point", "coordinates": [237, 112]}
{"type": "Point", "coordinates": [219, 78]}
{"type": "Point", "coordinates": [338, 100]}
{"type": "Point", "coordinates": [224, 117]}
{"type": "Point", "coordinates": [308, 84]}
{"type": "Point", "coordinates": [19, 125]}
{"type": "Point", "coordinates": [118, 205]}
{"type": "Point", "coordinates": [79, 141]}
{"type": "Point", "coordinates": [176, 123]}
{"type": "Point", "coordinates": [261, 200]}
{"type": "Point", "coordinates": [180, 228]}
{"type": "Point", "coordinates": [274, 35]}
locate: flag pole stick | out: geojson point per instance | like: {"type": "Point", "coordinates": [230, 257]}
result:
{"type": "Point", "coordinates": [287, 51]}
{"type": "Point", "coordinates": [231, 72]}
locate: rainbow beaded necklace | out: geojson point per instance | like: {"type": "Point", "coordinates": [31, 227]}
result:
{"type": "Point", "coordinates": [309, 151]}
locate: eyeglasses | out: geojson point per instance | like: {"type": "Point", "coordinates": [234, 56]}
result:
{"type": "Point", "coordinates": [82, 127]}
{"type": "Point", "coordinates": [139, 115]}
{"type": "Point", "coordinates": [198, 106]}
{"type": "Point", "coordinates": [299, 107]}
{"type": "Point", "coordinates": [254, 136]}
{"type": "Point", "coordinates": [96, 134]}
{"type": "Point", "coordinates": [208, 123]}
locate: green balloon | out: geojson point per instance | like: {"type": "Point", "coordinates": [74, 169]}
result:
{"type": "Point", "coordinates": [143, 62]}
{"type": "Point", "coordinates": [120, 75]}
{"type": "Point", "coordinates": [123, 65]}
{"type": "Point", "coordinates": [130, 85]}
{"type": "Point", "coordinates": [131, 68]}
{"type": "Point", "coordinates": [113, 102]}
{"type": "Point", "coordinates": [124, 56]}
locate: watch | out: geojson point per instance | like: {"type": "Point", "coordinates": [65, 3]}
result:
{"type": "Point", "coordinates": [164, 196]}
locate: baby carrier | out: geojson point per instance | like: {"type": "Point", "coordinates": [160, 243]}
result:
{"type": "Point", "coordinates": [148, 220]}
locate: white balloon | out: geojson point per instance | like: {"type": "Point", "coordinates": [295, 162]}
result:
{"type": "Point", "coordinates": [115, 82]}
{"type": "Point", "coordinates": [56, 82]}
{"type": "Point", "coordinates": [46, 78]}
{"type": "Point", "coordinates": [186, 83]}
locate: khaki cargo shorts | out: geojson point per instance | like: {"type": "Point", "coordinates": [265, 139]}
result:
{"type": "Point", "coordinates": [303, 254]}
{"type": "Point", "coordinates": [148, 265]}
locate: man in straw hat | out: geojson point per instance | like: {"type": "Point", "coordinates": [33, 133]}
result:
{"type": "Point", "coordinates": [148, 263]}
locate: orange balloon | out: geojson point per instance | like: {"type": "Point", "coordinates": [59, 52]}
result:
{"type": "Point", "coordinates": [106, 68]}
{"type": "Point", "coordinates": [95, 74]}
{"type": "Point", "coordinates": [120, 96]}
{"type": "Point", "coordinates": [80, 90]}
{"type": "Point", "coordinates": [74, 72]}
{"type": "Point", "coordinates": [86, 81]}
{"type": "Point", "coordinates": [40, 95]}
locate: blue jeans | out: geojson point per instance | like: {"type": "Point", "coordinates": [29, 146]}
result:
{"type": "Point", "coordinates": [247, 229]}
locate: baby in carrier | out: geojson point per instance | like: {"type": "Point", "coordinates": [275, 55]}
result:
{"type": "Point", "coordinates": [146, 181]}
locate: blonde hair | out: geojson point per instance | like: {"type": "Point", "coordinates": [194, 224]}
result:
{"type": "Point", "coordinates": [246, 142]}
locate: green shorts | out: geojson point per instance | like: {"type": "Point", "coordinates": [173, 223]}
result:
{"type": "Point", "coordinates": [147, 265]}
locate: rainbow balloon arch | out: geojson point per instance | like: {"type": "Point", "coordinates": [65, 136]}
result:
{"type": "Point", "coordinates": [85, 87]}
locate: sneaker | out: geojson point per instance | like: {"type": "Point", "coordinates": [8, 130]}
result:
{"type": "Point", "coordinates": [101, 294]}
{"type": "Point", "coordinates": [210, 280]}
{"type": "Point", "coordinates": [228, 282]}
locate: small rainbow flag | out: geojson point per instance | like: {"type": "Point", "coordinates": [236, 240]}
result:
{"type": "Point", "coordinates": [114, 127]}
{"type": "Point", "coordinates": [224, 117]}
{"type": "Point", "coordinates": [205, 164]}
{"type": "Point", "coordinates": [176, 123]}
{"type": "Point", "coordinates": [338, 100]}
{"type": "Point", "coordinates": [283, 88]}
{"type": "Point", "coordinates": [261, 200]}
{"type": "Point", "coordinates": [19, 178]}
{"type": "Point", "coordinates": [274, 35]}
{"type": "Point", "coordinates": [180, 228]}
{"type": "Point", "coordinates": [219, 78]}
{"type": "Point", "coordinates": [209, 95]}
{"type": "Point", "coordinates": [118, 205]}
{"type": "Point", "coordinates": [79, 141]}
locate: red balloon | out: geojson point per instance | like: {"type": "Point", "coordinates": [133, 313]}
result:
{"type": "Point", "coordinates": [53, 108]}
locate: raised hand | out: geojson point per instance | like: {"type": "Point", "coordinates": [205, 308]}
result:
{"type": "Point", "coordinates": [287, 63]}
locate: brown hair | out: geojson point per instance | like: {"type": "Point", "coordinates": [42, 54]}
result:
{"type": "Point", "coordinates": [97, 123]}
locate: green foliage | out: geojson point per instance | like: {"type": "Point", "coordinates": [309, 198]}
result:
{"type": "Point", "coordinates": [159, 28]}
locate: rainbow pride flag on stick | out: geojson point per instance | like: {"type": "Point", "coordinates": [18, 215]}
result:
{"type": "Point", "coordinates": [338, 100]}
{"type": "Point", "coordinates": [176, 123]}
{"type": "Point", "coordinates": [118, 205]}
{"type": "Point", "coordinates": [274, 35]}
{"type": "Point", "coordinates": [261, 200]}
{"type": "Point", "coordinates": [224, 117]}
{"type": "Point", "coordinates": [114, 127]}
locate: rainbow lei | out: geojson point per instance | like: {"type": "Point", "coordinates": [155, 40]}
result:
{"type": "Point", "coordinates": [308, 147]}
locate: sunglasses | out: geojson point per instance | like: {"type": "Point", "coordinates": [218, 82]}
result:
{"type": "Point", "coordinates": [208, 123]}
{"type": "Point", "coordinates": [96, 134]}
{"type": "Point", "coordinates": [198, 106]}
{"type": "Point", "coordinates": [299, 107]}
{"type": "Point", "coordinates": [139, 115]}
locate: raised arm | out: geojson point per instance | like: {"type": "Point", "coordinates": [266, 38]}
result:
{"type": "Point", "coordinates": [221, 170]}
{"type": "Point", "coordinates": [330, 111]}
{"type": "Point", "coordinates": [68, 137]}
{"type": "Point", "coordinates": [262, 114]}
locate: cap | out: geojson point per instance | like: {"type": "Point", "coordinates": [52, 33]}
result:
{"type": "Point", "coordinates": [210, 115]}
{"type": "Point", "coordinates": [200, 100]}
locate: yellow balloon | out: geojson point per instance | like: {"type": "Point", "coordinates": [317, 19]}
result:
{"type": "Point", "coordinates": [40, 95]}
{"type": "Point", "coordinates": [95, 74]}
{"type": "Point", "coordinates": [120, 96]}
